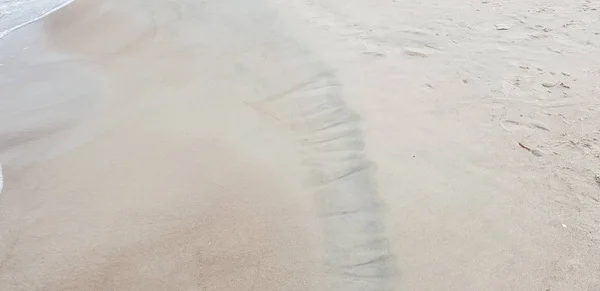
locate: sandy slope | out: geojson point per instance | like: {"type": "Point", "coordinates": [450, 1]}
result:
{"type": "Point", "coordinates": [153, 162]}
{"type": "Point", "coordinates": [448, 90]}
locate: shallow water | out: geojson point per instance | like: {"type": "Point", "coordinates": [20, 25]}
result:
{"type": "Point", "coordinates": [137, 119]}
{"type": "Point", "coordinates": [14, 14]}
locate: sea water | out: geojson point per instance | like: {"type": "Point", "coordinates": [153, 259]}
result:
{"type": "Point", "coordinates": [15, 14]}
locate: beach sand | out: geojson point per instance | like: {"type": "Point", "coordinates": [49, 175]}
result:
{"type": "Point", "coordinates": [302, 145]}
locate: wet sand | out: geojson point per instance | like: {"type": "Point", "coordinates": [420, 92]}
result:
{"type": "Point", "coordinates": [176, 161]}
{"type": "Point", "coordinates": [264, 145]}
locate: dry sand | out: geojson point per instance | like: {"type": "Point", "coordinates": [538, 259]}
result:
{"type": "Point", "coordinates": [218, 145]}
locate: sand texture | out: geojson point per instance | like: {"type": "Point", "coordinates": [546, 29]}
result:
{"type": "Point", "coordinates": [300, 145]}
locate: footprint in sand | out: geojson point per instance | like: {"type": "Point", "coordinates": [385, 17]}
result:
{"type": "Point", "coordinates": [514, 125]}
{"type": "Point", "coordinates": [424, 52]}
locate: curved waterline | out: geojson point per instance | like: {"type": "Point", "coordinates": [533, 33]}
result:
{"type": "Point", "coordinates": [291, 84]}
{"type": "Point", "coordinates": [15, 25]}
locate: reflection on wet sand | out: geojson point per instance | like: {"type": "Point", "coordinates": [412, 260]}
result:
{"type": "Point", "coordinates": [181, 170]}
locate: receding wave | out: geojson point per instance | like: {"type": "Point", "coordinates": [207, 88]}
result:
{"type": "Point", "coordinates": [15, 14]}
{"type": "Point", "coordinates": [293, 85]}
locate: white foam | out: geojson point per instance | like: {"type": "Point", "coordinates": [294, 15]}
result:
{"type": "Point", "coordinates": [34, 19]}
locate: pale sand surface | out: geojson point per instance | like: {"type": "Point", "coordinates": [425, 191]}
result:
{"type": "Point", "coordinates": [182, 145]}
